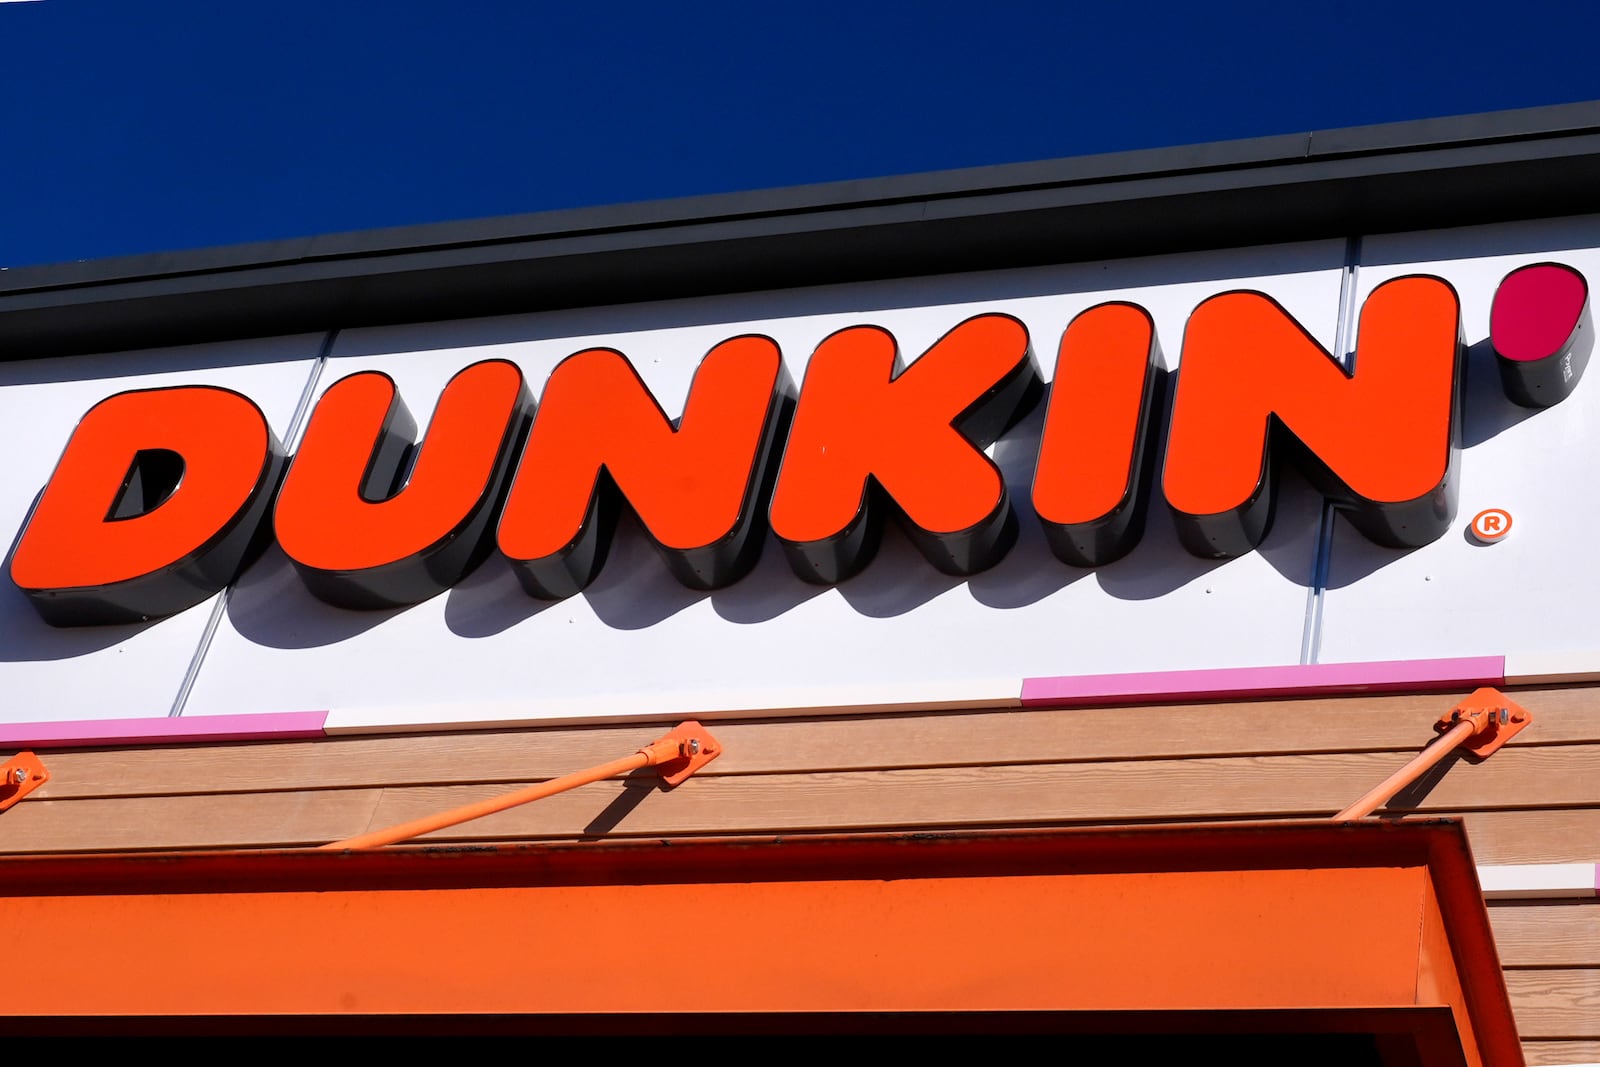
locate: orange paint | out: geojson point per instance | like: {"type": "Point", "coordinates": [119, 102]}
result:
{"type": "Point", "coordinates": [358, 540]}
{"type": "Point", "coordinates": [1381, 440]}
{"type": "Point", "coordinates": [693, 485]}
{"type": "Point", "coordinates": [90, 553]}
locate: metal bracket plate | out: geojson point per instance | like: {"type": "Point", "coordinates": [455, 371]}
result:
{"type": "Point", "coordinates": [1498, 719]}
{"type": "Point", "coordinates": [20, 775]}
{"type": "Point", "coordinates": [696, 748]}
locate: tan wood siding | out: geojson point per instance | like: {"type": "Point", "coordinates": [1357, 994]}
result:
{"type": "Point", "coordinates": [1555, 1002]}
{"type": "Point", "coordinates": [1550, 1053]}
{"type": "Point", "coordinates": [1548, 934]}
{"type": "Point", "coordinates": [1338, 726]}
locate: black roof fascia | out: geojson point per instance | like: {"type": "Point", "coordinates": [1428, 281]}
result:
{"type": "Point", "coordinates": [1502, 166]}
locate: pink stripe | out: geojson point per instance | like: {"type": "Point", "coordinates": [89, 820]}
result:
{"type": "Point", "coordinates": [82, 733]}
{"type": "Point", "coordinates": [1597, 879]}
{"type": "Point", "coordinates": [1227, 683]}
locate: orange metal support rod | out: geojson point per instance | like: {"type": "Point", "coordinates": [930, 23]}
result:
{"type": "Point", "coordinates": [1483, 722]}
{"type": "Point", "coordinates": [680, 753]}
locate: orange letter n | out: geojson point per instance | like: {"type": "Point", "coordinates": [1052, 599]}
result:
{"type": "Point", "coordinates": [1378, 441]}
{"type": "Point", "coordinates": [600, 440]}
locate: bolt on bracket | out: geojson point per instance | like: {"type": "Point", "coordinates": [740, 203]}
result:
{"type": "Point", "coordinates": [19, 776]}
{"type": "Point", "coordinates": [695, 747]}
{"type": "Point", "coordinates": [1495, 717]}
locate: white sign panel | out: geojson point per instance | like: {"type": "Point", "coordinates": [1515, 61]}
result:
{"type": "Point", "coordinates": [939, 616]}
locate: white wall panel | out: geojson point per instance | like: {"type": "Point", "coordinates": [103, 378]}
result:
{"type": "Point", "coordinates": [54, 675]}
{"type": "Point", "coordinates": [1534, 592]}
{"type": "Point", "coordinates": [638, 643]}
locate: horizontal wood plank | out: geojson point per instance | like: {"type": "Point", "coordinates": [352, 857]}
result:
{"type": "Point", "coordinates": [317, 817]}
{"type": "Point", "coordinates": [247, 820]}
{"type": "Point", "coordinates": [760, 804]}
{"type": "Point", "coordinates": [1555, 835]}
{"type": "Point", "coordinates": [1556, 1003]}
{"type": "Point", "coordinates": [1554, 1053]}
{"type": "Point", "coordinates": [1245, 787]}
{"type": "Point", "coordinates": [1547, 934]}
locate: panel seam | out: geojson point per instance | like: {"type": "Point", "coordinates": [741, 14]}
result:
{"type": "Point", "coordinates": [219, 607]}
{"type": "Point", "coordinates": [1343, 348]}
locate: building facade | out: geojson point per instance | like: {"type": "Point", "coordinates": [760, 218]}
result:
{"type": "Point", "coordinates": [1141, 505]}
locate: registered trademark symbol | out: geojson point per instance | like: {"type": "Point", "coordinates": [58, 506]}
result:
{"type": "Point", "coordinates": [1491, 525]}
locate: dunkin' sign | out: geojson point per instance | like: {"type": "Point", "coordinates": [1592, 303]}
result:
{"type": "Point", "coordinates": [162, 496]}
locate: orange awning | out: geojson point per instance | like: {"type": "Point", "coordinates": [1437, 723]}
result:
{"type": "Point", "coordinates": [1375, 930]}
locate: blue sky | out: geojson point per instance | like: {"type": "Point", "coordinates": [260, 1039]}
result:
{"type": "Point", "coordinates": [130, 127]}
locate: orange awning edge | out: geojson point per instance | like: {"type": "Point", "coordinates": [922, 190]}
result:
{"type": "Point", "coordinates": [1278, 927]}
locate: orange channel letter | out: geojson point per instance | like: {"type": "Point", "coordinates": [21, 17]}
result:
{"type": "Point", "coordinates": [1088, 488]}
{"type": "Point", "coordinates": [1378, 442]}
{"type": "Point", "coordinates": [153, 507]}
{"type": "Point", "coordinates": [367, 530]}
{"type": "Point", "coordinates": [869, 438]}
{"type": "Point", "coordinates": [600, 440]}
